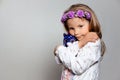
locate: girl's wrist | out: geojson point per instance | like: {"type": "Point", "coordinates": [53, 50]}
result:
{"type": "Point", "coordinates": [80, 44]}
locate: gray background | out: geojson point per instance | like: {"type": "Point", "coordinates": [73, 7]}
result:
{"type": "Point", "coordinates": [30, 29]}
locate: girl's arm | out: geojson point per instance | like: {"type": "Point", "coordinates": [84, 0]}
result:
{"type": "Point", "coordinates": [90, 37]}
{"type": "Point", "coordinates": [86, 56]}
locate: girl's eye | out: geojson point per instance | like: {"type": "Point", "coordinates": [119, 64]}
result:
{"type": "Point", "coordinates": [80, 25]}
{"type": "Point", "coordinates": [71, 28]}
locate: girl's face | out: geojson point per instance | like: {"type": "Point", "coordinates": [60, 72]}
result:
{"type": "Point", "coordinates": [78, 27]}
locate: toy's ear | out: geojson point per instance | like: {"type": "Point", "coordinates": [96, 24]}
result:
{"type": "Point", "coordinates": [64, 34]}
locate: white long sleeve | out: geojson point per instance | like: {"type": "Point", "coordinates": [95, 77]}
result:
{"type": "Point", "coordinates": [79, 59]}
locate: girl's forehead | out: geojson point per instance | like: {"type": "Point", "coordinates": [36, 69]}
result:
{"type": "Point", "coordinates": [76, 21]}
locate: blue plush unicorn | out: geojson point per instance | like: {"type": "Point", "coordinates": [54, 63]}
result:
{"type": "Point", "coordinates": [68, 38]}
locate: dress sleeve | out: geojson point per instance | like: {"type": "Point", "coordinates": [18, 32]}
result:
{"type": "Point", "coordinates": [79, 59]}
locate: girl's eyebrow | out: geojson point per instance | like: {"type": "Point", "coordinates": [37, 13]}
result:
{"type": "Point", "coordinates": [80, 24]}
{"type": "Point", "coordinates": [70, 27]}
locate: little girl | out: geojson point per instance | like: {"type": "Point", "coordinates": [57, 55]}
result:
{"type": "Point", "coordinates": [81, 59]}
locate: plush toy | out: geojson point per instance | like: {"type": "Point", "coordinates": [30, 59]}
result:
{"type": "Point", "coordinates": [68, 38]}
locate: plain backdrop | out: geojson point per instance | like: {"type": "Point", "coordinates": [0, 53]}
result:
{"type": "Point", "coordinates": [30, 29]}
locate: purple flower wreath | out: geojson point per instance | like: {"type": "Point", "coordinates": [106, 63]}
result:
{"type": "Point", "coordinates": [72, 14]}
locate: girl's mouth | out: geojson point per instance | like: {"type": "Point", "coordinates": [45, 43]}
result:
{"type": "Point", "coordinates": [80, 37]}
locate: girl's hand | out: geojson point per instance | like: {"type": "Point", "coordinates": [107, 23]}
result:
{"type": "Point", "coordinates": [89, 37]}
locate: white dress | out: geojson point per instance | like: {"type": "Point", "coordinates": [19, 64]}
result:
{"type": "Point", "coordinates": [79, 63]}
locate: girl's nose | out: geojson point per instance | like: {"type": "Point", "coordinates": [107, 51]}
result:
{"type": "Point", "coordinates": [76, 32]}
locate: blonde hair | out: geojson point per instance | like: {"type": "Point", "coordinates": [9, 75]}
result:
{"type": "Point", "coordinates": [94, 23]}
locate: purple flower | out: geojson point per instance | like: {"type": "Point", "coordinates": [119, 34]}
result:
{"type": "Point", "coordinates": [80, 13]}
{"type": "Point", "coordinates": [70, 14]}
{"type": "Point", "coordinates": [64, 17]}
{"type": "Point", "coordinates": [67, 15]}
{"type": "Point", "coordinates": [88, 15]}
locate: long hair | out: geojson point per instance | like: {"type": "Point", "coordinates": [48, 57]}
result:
{"type": "Point", "coordinates": [94, 23]}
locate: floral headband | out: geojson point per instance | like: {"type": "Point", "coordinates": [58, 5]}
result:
{"type": "Point", "coordinates": [72, 14]}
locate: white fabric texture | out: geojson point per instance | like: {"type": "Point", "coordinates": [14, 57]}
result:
{"type": "Point", "coordinates": [77, 61]}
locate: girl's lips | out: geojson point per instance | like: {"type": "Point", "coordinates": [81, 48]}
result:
{"type": "Point", "coordinates": [80, 37]}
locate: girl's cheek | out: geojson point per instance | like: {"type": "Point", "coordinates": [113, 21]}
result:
{"type": "Point", "coordinates": [71, 32]}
